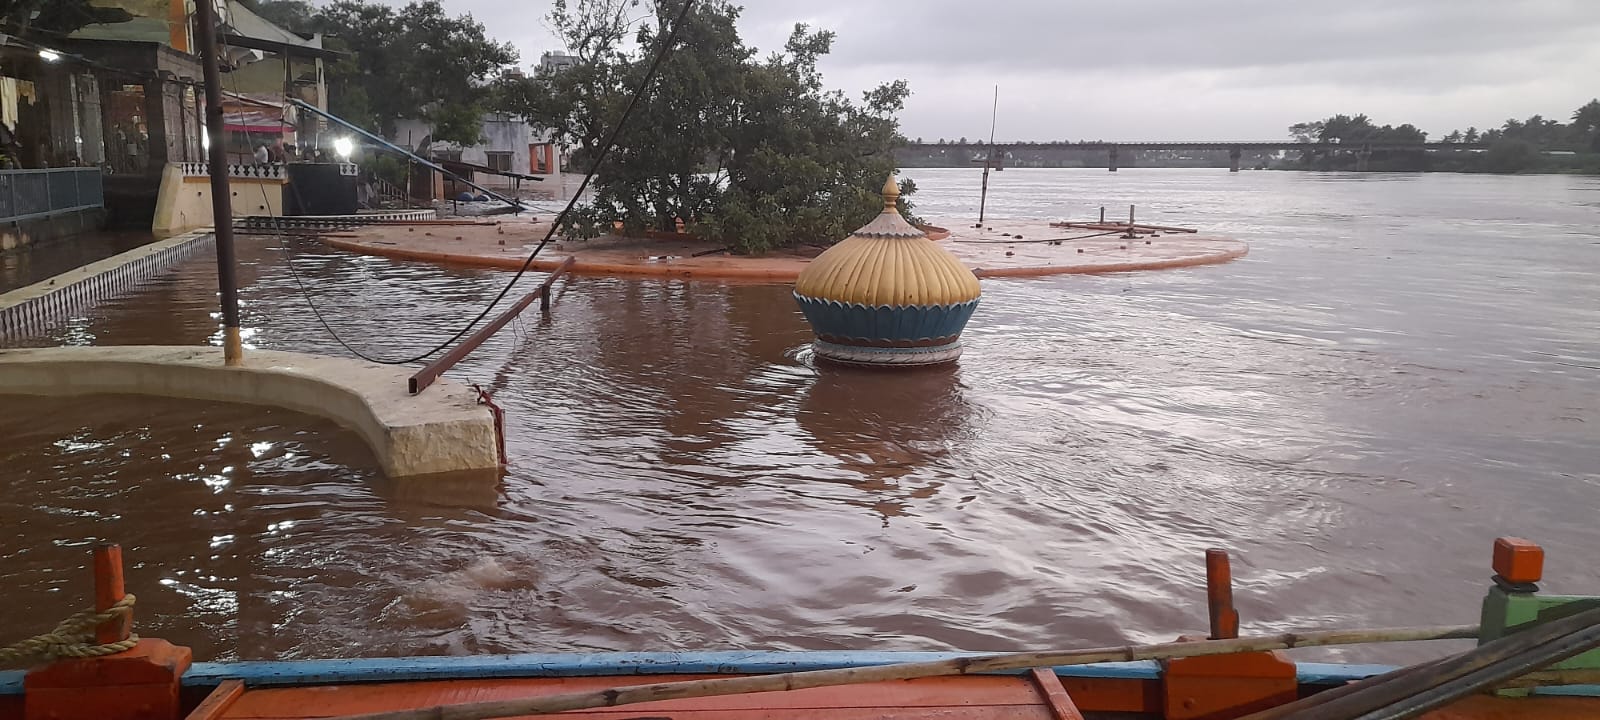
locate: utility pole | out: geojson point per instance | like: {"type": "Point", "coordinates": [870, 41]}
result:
{"type": "Point", "coordinates": [983, 199]}
{"type": "Point", "coordinates": [221, 197]}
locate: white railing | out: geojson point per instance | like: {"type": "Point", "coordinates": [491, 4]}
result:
{"type": "Point", "coordinates": [270, 171]}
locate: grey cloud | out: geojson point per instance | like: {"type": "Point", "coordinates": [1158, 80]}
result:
{"type": "Point", "coordinates": [1169, 69]}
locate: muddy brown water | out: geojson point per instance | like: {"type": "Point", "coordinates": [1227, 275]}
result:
{"type": "Point", "coordinates": [1403, 368]}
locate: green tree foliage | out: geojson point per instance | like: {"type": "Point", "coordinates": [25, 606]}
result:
{"type": "Point", "coordinates": [47, 20]}
{"type": "Point", "coordinates": [292, 15]}
{"type": "Point", "coordinates": [1510, 156]}
{"type": "Point", "coordinates": [409, 62]}
{"type": "Point", "coordinates": [1536, 143]}
{"type": "Point", "coordinates": [748, 151]}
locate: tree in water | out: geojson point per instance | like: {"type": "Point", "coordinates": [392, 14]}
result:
{"type": "Point", "coordinates": [750, 152]}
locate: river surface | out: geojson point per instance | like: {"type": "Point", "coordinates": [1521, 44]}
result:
{"type": "Point", "coordinates": [1403, 368]}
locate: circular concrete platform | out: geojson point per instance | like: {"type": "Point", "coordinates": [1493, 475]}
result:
{"type": "Point", "coordinates": [1003, 249]}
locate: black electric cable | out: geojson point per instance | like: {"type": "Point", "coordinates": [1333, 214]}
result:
{"type": "Point", "coordinates": [605, 149]}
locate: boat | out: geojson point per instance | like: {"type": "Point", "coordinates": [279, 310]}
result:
{"type": "Point", "coordinates": [1535, 657]}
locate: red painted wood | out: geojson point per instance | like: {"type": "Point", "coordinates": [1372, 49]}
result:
{"type": "Point", "coordinates": [1108, 695]}
{"type": "Point", "coordinates": [218, 702]}
{"type": "Point", "coordinates": [1486, 707]}
{"type": "Point", "coordinates": [956, 692]}
{"type": "Point", "coordinates": [108, 591]}
{"type": "Point", "coordinates": [1005, 712]}
{"type": "Point", "coordinates": [1061, 707]}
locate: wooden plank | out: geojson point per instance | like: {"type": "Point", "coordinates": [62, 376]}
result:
{"type": "Point", "coordinates": [262, 673]}
{"type": "Point", "coordinates": [1055, 696]}
{"type": "Point", "coordinates": [324, 701]}
{"type": "Point", "coordinates": [1488, 707]}
{"type": "Point", "coordinates": [1108, 695]}
{"type": "Point", "coordinates": [220, 699]}
{"type": "Point", "coordinates": [1008, 712]}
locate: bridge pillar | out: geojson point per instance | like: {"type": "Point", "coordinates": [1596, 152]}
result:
{"type": "Point", "coordinates": [1233, 158]}
{"type": "Point", "coordinates": [1112, 166]}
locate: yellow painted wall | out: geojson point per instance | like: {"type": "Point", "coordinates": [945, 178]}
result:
{"type": "Point", "coordinates": [184, 203]}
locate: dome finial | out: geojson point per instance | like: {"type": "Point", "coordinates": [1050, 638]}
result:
{"type": "Point", "coordinates": [891, 193]}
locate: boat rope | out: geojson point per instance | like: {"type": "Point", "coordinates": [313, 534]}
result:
{"type": "Point", "coordinates": [73, 637]}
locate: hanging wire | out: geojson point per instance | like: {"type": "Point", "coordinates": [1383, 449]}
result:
{"type": "Point", "coordinates": [605, 149]}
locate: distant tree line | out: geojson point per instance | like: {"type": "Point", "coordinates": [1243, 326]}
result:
{"type": "Point", "coordinates": [1535, 144]}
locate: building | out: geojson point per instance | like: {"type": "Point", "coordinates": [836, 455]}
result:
{"type": "Point", "coordinates": [125, 96]}
{"type": "Point", "coordinates": [556, 61]}
{"type": "Point", "coordinates": [511, 156]}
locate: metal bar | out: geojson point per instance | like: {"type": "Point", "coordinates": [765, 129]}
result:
{"type": "Point", "coordinates": [416, 158]}
{"type": "Point", "coordinates": [221, 198]}
{"type": "Point", "coordinates": [431, 372]}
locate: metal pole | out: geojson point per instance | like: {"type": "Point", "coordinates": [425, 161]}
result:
{"type": "Point", "coordinates": [425, 377]}
{"type": "Point", "coordinates": [994, 115]}
{"type": "Point", "coordinates": [221, 198]}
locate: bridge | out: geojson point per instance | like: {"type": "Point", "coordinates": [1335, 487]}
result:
{"type": "Point", "coordinates": [1235, 149]}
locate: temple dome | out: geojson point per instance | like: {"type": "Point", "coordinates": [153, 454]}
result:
{"type": "Point", "coordinates": [887, 295]}
{"type": "Point", "coordinates": [888, 262]}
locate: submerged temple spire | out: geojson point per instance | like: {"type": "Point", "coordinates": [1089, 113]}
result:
{"type": "Point", "coordinates": [887, 295]}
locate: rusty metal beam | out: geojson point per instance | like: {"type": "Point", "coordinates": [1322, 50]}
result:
{"type": "Point", "coordinates": [431, 372]}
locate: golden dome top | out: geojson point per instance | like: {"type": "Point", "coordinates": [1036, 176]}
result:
{"type": "Point", "coordinates": [888, 262]}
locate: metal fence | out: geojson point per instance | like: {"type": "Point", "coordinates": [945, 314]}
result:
{"type": "Point", "coordinates": [30, 194]}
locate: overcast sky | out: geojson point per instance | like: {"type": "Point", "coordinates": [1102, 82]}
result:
{"type": "Point", "coordinates": [1177, 69]}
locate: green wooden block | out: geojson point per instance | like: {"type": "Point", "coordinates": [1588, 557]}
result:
{"type": "Point", "coordinates": [1505, 613]}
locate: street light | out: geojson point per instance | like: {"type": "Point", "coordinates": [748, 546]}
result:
{"type": "Point", "coordinates": [343, 147]}
{"type": "Point", "coordinates": [49, 55]}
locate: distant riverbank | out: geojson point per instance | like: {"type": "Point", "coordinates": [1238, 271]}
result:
{"type": "Point", "coordinates": [1507, 158]}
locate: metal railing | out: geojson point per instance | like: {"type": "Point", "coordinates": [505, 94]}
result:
{"type": "Point", "coordinates": [33, 194]}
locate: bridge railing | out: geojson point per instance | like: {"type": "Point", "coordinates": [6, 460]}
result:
{"type": "Point", "coordinates": [46, 192]}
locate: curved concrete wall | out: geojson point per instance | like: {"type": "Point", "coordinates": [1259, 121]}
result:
{"type": "Point", "coordinates": [442, 430]}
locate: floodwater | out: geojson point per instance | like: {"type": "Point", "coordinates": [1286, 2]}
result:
{"type": "Point", "coordinates": [1405, 367]}
{"type": "Point", "coordinates": [47, 258]}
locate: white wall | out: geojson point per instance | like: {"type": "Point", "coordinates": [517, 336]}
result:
{"type": "Point", "coordinates": [501, 133]}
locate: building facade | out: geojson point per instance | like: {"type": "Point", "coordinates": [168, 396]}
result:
{"type": "Point", "coordinates": [510, 151]}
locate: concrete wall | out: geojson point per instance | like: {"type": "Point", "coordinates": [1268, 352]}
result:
{"type": "Point", "coordinates": [184, 203]}
{"type": "Point", "coordinates": [66, 224]}
{"type": "Point", "coordinates": [442, 430]}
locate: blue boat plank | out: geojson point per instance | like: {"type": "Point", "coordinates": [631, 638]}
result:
{"type": "Point", "coordinates": [267, 673]}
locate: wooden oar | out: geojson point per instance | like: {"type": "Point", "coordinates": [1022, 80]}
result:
{"type": "Point", "coordinates": [970, 665]}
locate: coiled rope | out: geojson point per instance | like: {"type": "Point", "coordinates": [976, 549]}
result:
{"type": "Point", "coordinates": [73, 637]}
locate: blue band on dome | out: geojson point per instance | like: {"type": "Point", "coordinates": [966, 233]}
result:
{"type": "Point", "coordinates": [885, 323]}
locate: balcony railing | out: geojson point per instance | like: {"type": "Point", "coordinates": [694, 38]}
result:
{"type": "Point", "coordinates": [35, 194]}
{"type": "Point", "coordinates": [267, 171]}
